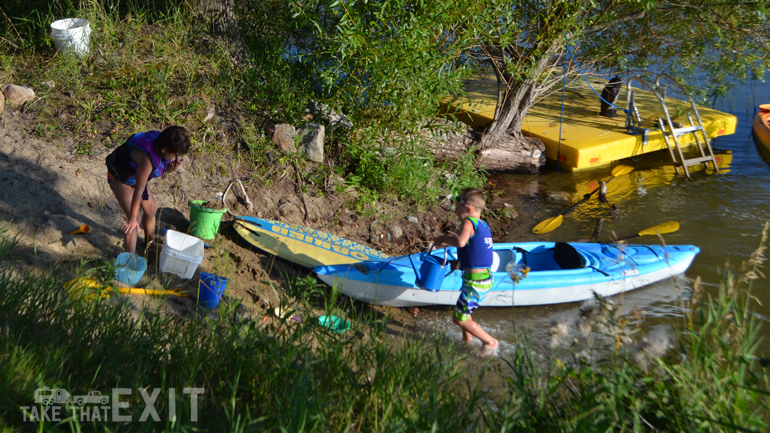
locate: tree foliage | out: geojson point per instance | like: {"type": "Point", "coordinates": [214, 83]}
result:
{"type": "Point", "coordinates": [393, 59]}
{"type": "Point", "coordinates": [384, 61]}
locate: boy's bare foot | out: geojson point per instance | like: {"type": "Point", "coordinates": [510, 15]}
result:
{"type": "Point", "coordinates": [490, 348]}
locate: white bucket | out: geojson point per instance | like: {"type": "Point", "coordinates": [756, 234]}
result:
{"type": "Point", "coordinates": [181, 254]}
{"type": "Point", "coordinates": [71, 35]}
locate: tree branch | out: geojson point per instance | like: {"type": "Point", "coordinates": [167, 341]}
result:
{"type": "Point", "coordinates": [624, 19]}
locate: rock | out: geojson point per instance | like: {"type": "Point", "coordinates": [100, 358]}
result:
{"type": "Point", "coordinates": [314, 108]}
{"type": "Point", "coordinates": [557, 197]}
{"type": "Point", "coordinates": [397, 231]}
{"type": "Point", "coordinates": [509, 212]}
{"type": "Point", "coordinates": [283, 136]}
{"type": "Point", "coordinates": [336, 121]}
{"type": "Point", "coordinates": [18, 95]}
{"type": "Point", "coordinates": [312, 137]}
{"type": "Point", "coordinates": [412, 219]}
{"type": "Point", "coordinates": [322, 112]}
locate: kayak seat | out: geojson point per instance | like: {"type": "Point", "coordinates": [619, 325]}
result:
{"type": "Point", "coordinates": [566, 256]}
{"type": "Point", "coordinates": [500, 260]}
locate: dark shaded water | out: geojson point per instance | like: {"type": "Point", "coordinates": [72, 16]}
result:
{"type": "Point", "coordinates": [723, 214]}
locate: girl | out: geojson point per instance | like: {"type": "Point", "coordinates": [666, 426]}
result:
{"type": "Point", "coordinates": [144, 156]}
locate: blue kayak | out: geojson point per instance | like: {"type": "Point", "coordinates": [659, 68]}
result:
{"type": "Point", "coordinates": [528, 273]}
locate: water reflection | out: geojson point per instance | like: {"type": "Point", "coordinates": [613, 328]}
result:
{"type": "Point", "coordinates": [657, 303]}
{"type": "Point", "coordinates": [723, 214]}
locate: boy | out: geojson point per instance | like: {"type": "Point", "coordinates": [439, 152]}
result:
{"type": "Point", "coordinates": [144, 156]}
{"type": "Point", "coordinates": [474, 249]}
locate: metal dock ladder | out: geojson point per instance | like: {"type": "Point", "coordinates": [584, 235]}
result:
{"type": "Point", "coordinates": [673, 131]}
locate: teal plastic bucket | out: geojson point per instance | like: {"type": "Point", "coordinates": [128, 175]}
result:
{"type": "Point", "coordinates": [129, 268]}
{"type": "Point", "coordinates": [210, 289]}
{"type": "Point", "coordinates": [204, 221]}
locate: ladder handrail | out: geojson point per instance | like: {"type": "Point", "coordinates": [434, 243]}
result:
{"type": "Point", "coordinates": [668, 127]}
{"type": "Point", "coordinates": [697, 116]}
{"type": "Point", "coordinates": [682, 91]}
{"type": "Point", "coordinates": [689, 98]}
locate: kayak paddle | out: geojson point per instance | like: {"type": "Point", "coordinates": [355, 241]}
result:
{"type": "Point", "coordinates": [552, 223]}
{"type": "Point", "coordinates": [660, 229]}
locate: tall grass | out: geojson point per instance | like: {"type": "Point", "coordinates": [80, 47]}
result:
{"type": "Point", "coordinates": [706, 375]}
{"type": "Point", "coordinates": [255, 377]}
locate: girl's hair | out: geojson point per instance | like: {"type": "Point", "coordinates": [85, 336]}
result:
{"type": "Point", "coordinates": [174, 139]}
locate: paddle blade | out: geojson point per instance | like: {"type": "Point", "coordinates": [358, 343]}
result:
{"type": "Point", "coordinates": [664, 228]}
{"type": "Point", "coordinates": [621, 170]}
{"type": "Point", "coordinates": [548, 225]}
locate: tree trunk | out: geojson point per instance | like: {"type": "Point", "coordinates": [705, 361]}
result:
{"type": "Point", "coordinates": [516, 102]}
{"type": "Point", "coordinates": [224, 23]}
{"type": "Point", "coordinates": [514, 154]}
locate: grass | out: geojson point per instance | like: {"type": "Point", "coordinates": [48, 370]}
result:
{"type": "Point", "coordinates": [155, 65]}
{"type": "Point", "coordinates": [705, 374]}
{"type": "Point", "coordinates": [152, 66]}
{"type": "Point", "coordinates": [254, 377]}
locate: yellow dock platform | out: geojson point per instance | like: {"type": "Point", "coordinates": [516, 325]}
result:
{"type": "Point", "coordinates": [587, 139]}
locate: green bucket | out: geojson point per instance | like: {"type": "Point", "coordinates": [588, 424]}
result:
{"type": "Point", "coordinates": [204, 221]}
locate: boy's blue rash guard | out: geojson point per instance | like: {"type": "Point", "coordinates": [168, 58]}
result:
{"type": "Point", "coordinates": [122, 165]}
{"type": "Point", "coordinates": [477, 253]}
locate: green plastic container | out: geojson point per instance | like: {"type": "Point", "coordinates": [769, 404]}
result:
{"type": "Point", "coordinates": [334, 324]}
{"type": "Point", "coordinates": [204, 221]}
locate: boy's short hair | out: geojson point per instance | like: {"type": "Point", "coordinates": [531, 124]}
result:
{"type": "Point", "coordinates": [472, 197]}
{"type": "Point", "coordinates": [174, 139]}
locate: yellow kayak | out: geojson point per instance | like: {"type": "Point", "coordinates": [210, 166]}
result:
{"type": "Point", "coordinates": [762, 126]}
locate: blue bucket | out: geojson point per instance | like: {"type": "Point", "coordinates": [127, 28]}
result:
{"type": "Point", "coordinates": [129, 268]}
{"type": "Point", "coordinates": [210, 289]}
{"type": "Point", "coordinates": [431, 273]}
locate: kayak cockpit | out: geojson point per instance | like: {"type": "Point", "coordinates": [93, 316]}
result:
{"type": "Point", "coordinates": [560, 256]}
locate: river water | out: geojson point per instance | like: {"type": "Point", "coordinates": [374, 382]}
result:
{"type": "Point", "coordinates": [723, 214]}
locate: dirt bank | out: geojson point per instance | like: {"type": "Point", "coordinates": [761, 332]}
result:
{"type": "Point", "coordinates": [47, 191]}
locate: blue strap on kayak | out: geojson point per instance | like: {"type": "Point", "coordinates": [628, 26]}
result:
{"type": "Point", "coordinates": [561, 117]}
{"type": "Point", "coordinates": [523, 254]}
{"type": "Point", "coordinates": [626, 254]}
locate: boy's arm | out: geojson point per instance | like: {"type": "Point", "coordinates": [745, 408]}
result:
{"type": "Point", "coordinates": [460, 240]}
{"type": "Point", "coordinates": [466, 232]}
{"type": "Point", "coordinates": [450, 240]}
{"type": "Point", "coordinates": [143, 169]}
